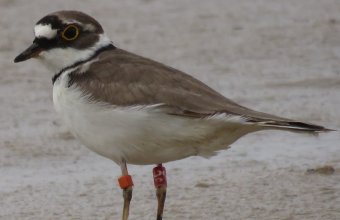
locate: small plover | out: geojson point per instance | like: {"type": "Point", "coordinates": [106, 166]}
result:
{"type": "Point", "coordinates": [134, 110]}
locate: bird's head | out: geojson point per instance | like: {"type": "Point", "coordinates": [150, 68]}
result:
{"type": "Point", "coordinates": [63, 38]}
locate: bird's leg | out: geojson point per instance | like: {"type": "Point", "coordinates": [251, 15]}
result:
{"type": "Point", "coordinates": [125, 182]}
{"type": "Point", "coordinates": [159, 177]}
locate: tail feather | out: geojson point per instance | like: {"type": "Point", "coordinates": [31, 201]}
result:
{"type": "Point", "coordinates": [296, 126]}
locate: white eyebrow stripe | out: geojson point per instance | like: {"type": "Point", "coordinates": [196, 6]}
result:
{"type": "Point", "coordinates": [86, 27]}
{"type": "Point", "coordinates": [44, 30]}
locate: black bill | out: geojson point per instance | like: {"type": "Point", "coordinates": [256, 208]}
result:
{"type": "Point", "coordinates": [30, 52]}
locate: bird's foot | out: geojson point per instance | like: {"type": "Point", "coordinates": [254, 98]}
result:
{"type": "Point", "coordinates": [159, 175]}
{"type": "Point", "coordinates": [126, 184]}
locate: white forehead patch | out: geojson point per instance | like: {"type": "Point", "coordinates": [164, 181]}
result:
{"type": "Point", "coordinates": [44, 30]}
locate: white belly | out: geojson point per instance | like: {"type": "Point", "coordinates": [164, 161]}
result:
{"type": "Point", "coordinates": [141, 135]}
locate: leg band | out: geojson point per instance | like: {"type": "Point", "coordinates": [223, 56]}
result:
{"type": "Point", "coordinates": [125, 181]}
{"type": "Point", "coordinates": [159, 176]}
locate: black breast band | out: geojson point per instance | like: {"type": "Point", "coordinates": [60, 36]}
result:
{"type": "Point", "coordinates": [102, 49]}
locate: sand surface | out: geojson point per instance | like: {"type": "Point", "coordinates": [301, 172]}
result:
{"type": "Point", "coordinates": [280, 57]}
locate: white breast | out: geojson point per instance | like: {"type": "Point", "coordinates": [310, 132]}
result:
{"type": "Point", "coordinates": [139, 134]}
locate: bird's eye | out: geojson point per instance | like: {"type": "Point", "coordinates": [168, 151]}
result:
{"type": "Point", "coordinates": [70, 33]}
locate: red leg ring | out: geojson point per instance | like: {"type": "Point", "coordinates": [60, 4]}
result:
{"type": "Point", "coordinates": [159, 176]}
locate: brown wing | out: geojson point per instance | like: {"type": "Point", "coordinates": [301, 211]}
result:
{"type": "Point", "coordinates": [125, 79]}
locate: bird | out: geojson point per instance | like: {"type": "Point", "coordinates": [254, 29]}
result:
{"type": "Point", "coordinates": [134, 110]}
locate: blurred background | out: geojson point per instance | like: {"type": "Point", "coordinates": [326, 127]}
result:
{"type": "Point", "coordinates": [280, 57]}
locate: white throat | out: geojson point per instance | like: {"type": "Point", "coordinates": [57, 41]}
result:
{"type": "Point", "coordinates": [58, 58]}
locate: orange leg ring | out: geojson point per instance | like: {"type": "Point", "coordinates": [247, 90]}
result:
{"type": "Point", "coordinates": [125, 181]}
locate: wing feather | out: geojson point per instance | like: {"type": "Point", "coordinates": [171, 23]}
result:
{"type": "Point", "coordinates": [125, 79]}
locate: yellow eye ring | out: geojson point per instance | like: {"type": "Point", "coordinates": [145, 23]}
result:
{"type": "Point", "coordinates": [70, 33]}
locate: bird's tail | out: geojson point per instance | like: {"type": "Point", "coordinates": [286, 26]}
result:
{"type": "Point", "coordinates": [295, 126]}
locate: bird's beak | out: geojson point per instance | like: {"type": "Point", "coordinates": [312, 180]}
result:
{"type": "Point", "coordinates": [30, 52]}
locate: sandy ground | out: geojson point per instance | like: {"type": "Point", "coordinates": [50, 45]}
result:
{"type": "Point", "coordinates": [280, 57]}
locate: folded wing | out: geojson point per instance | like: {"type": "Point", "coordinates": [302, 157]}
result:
{"type": "Point", "coordinates": [125, 79]}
